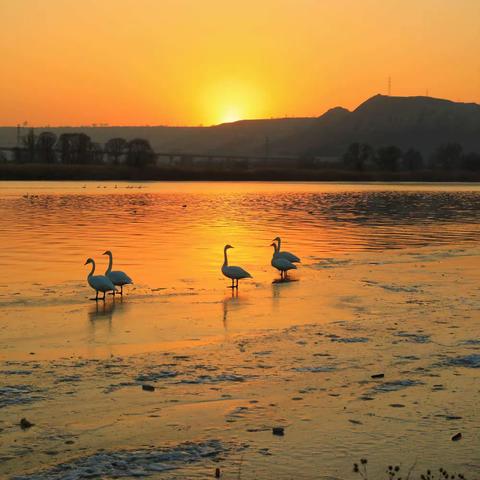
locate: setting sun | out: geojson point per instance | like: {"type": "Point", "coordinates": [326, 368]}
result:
{"type": "Point", "coordinates": [233, 99]}
{"type": "Point", "coordinates": [231, 115]}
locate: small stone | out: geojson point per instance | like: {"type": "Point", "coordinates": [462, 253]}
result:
{"type": "Point", "coordinates": [138, 473]}
{"type": "Point", "coordinates": [280, 431]}
{"type": "Point", "coordinates": [456, 437]}
{"type": "Point", "coordinates": [148, 388]}
{"type": "Point", "coordinates": [24, 424]}
{"type": "Point", "coordinates": [378, 375]}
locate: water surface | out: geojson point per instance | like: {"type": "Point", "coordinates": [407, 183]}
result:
{"type": "Point", "coordinates": [166, 234]}
{"type": "Point", "coordinates": [388, 284]}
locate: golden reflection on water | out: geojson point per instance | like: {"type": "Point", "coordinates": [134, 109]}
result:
{"type": "Point", "coordinates": [172, 234]}
{"type": "Point", "coordinates": [169, 238]}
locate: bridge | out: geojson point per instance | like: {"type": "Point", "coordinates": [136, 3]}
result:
{"type": "Point", "coordinates": [186, 157]}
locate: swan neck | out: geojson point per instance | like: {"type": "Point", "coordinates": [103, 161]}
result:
{"type": "Point", "coordinates": [225, 258]}
{"type": "Point", "coordinates": [92, 270]}
{"type": "Point", "coordinates": [279, 243]}
{"type": "Point", "coordinates": [110, 263]}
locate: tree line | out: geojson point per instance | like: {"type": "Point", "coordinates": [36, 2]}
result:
{"type": "Point", "coordinates": [79, 149]}
{"type": "Point", "coordinates": [448, 156]}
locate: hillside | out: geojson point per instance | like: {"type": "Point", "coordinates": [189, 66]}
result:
{"type": "Point", "coordinates": [420, 122]}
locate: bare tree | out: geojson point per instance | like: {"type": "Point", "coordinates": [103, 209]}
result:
{"type": "Point", "coordinates": [75, 148]}
{"type": "Point", "coordinates": [28, 142]}
{"type": "Point", "coordinates": [357, 155]}
{"type": "Point", "coordinates": [115, 148]}
{"type": "Point", "coordinates": [448, 156]}
{"type": "Point", "coordinates": [97, 152]}
{"type": "Point", "coordinates": [45, 147]}
{"type": "Point", "coordinates": [140, 153]}
{"type": "Point", "coordinates": [387, 157]}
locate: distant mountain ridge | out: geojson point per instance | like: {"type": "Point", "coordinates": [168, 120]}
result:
{"type": "Point", "coordinates": [420, 122]}
{"type": "Point", "coordinates": [423, 123]}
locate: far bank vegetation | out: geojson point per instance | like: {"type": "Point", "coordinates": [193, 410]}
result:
{"type": "Point", "coordinates": [76, 156]}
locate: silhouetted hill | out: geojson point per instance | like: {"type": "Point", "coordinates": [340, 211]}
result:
{"type": "Point", "coordinates": [420, 122]}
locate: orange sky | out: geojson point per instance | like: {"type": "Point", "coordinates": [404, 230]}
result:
{"type": "Point", "coordinates": [191, 62]}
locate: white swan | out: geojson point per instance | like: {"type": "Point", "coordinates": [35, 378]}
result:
{"type": "Point", "coordinates": [280, 263]}
{"type": "Point", "coordinates": [235, 273]}
{"type": "Point", "coordinates": [99, 283]}
{"type": "Point", "coordinates": [116, 277]}
{"type": "Point", "coordinates": [289, 256]}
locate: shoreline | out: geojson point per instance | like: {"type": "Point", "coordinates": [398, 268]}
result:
{"type": "Point", "coordinates": [54, 172]}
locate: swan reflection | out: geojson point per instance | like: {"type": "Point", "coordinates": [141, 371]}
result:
{"type": "Point", "coordinates": [228, 303]}
{"type": "Point", "coordinates": [105, 310]}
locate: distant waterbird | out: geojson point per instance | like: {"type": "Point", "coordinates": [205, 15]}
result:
{"type": "Point", "coordinates": [234, 273]}
{"type": "Point", "coordinates": [280, 263]}
{"type": "Point", "coordinates": [100, 283]}
{"type": "Point", "coordinates": [117, 277]}
{"type": "Point", "coordinates": [287, 255]}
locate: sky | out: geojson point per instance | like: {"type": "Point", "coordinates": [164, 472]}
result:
{"type": "Point", "coordinates": [203, 62]}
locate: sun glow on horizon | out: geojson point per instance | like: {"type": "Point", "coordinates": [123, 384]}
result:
{"type": "Point", "coordinates": [215, 61]}
{"type": "Point", "coordinates": [231, 115]}
{"type": "Point", "coordinates": [232, 100]}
